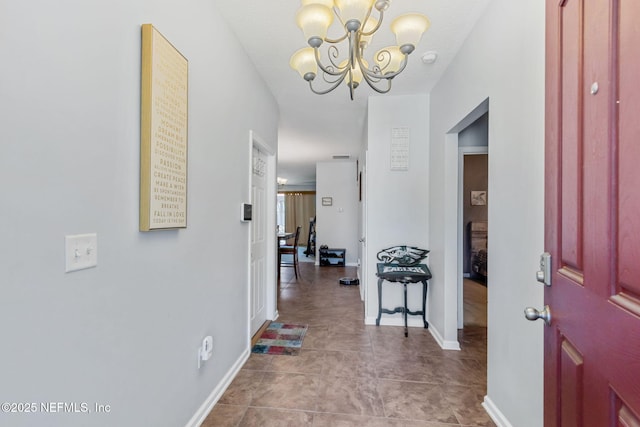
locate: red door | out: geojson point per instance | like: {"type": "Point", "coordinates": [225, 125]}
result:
{"type": "Point", "coordinates": [592, 213]}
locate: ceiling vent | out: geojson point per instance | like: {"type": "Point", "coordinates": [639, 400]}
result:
{"type": "Point", "coordinates": [341, 157]}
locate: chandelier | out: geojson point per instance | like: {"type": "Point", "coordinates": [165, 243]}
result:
{"type": "Point", "coordinates": [355, 16]}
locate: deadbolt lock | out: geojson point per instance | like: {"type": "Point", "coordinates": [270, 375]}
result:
{"type": "Point", "coordinates": [544, 274]}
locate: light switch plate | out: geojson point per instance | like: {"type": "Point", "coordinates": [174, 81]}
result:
{"type": "Point", "coordinates": [80, 251]}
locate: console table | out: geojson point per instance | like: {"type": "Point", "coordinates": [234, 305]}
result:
{"type": "Point", "coordinates": [404, 274]}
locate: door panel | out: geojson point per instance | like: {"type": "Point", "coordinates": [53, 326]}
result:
{"type": "Point", "coordinates": [572, 384]}
{"type": "Point", "coordinates": [571, 182]}
{"type": "Point", "coordinates": [592, 213]}
{"type": "Point", "coordinates": [629, 135]}
{"type": "Point", "coordinates": [258, 242]}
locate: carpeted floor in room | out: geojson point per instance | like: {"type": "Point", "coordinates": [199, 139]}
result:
{"type": "Point", "coordinates": [351, 374]}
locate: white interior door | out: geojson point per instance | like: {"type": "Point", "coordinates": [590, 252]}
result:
{"type": "Point", "coordinates": [258, 291]}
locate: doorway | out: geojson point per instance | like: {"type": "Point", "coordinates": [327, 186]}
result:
{"type": "Point", "coordinates": [262, 300]}
{"type": "Point", "coordinates": [473, 201]}
{"type": "Point", "coordinates": [474, 231]}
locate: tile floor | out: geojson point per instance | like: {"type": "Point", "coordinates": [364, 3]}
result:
{"type": "Point", "coordinates": [349, 374]}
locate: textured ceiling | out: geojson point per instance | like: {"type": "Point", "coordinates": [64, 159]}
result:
{"type": "Point", "coordinates": [315, 127]}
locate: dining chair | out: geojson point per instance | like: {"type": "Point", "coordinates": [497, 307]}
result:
{"type": "Point", "coordinates": [290, 250]}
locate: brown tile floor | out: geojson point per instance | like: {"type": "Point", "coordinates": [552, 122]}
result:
{"type": "Point", "coordinates": [349, 374]}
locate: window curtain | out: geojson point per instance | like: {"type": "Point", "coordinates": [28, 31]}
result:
{"type": "Point", "coordinates": [299, 207]}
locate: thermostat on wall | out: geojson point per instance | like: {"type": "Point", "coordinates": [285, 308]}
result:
{"type": "Point", "coordinates": [245, 213]}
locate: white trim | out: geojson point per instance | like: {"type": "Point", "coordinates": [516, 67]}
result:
{"type": "Point", "coordinates": [445, 345]}
{"type": "Point", "coordinates": [496, 415]}
{"type": "Point", "coordinates": [256, 141]}
{"type": "Point", "coordinates": [201, 414]}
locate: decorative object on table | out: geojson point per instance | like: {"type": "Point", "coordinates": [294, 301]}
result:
{"type": "Point", "coordinates": [281, 339]}
{"type": "Point", "coordinates": [403, 255]}
{"type": "Point", "coordinates": [163, 134]}
{"type": "Point", "coordinates": [401, 265]}
{"type": "Point", "coordinates": [359, 26]}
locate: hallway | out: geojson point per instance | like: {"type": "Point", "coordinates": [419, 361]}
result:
{"type": "Point", "coordinates": [350, 374]}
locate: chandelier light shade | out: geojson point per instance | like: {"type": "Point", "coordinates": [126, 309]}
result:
{"type": "Point", "coordinates": [356, 10]}
{"type": "Point", "coordinates": [359, 26]}
{"type": "Point", "coordinates": [409, 28]}
{"type": "Point", "coordinates": [304, 61]}
{"type": "Point", "coordinates": [314, 20]}
{"type": "Point", "coordinates": [327, 3]}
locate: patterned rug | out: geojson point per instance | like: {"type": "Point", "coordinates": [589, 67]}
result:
{"type": "Point", "coordinates": [281, 338]}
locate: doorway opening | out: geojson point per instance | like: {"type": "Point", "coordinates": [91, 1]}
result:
{"type": "Point", "coordinates": [297, 208]}
{"type": "Point", "coordinates": [473, 200]}
{"type": "Point", "coordinates": [474, 236]}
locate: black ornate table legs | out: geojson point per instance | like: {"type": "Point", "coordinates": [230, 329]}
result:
{"type": "Point", "coordinates": [404, 309]}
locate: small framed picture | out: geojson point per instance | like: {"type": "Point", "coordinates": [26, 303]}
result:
{"type": "Point", "coordinates": [478, 198]}
{"type": "Point", "coordinates": [327, 201]}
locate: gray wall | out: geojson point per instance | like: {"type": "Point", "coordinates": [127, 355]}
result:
{"type": "Point", "coordinates": [513, 81]}
{"type": "Point", "coordinates": [397, 201]}
{"type": "Point", "coordinates": [337, 225]}
{"type": "Point", "coordinates": [125, 333]}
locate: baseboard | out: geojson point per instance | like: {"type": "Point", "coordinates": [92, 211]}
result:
{"type": "Point", "coordinates": [414, 323]}
{"type": "Point", "coordinates": [496, 415]}
{"type": "Point", "coordinates": [444, 344]}
{"type": "Point", "coordinates": [202, 412]}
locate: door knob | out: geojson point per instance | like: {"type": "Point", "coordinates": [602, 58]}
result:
{"type": "Point", "coordinates": [532, 314]}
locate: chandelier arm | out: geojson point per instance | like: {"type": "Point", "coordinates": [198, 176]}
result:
{"type": "Point", "coordinates": [346, 33]}
{"type": "Point", "coordinates": [353, 51]}
{"type": "Point", "coordinates": [327, 70]}
{"type": "Point", "coordinates": [350, 83]}
{"type": "Point", "coordinates": [372, 85]}
{"type": "Point", "coordinates": [328, 80]}
{"type": "Point", "coordinates": [325, 91]}
{"type": "Point", "coordinates": [372, 76]}
{"type": "Point", "coordinates": [378, 25]}
{"type": "Point", "coordinates": [337, 13]}
{"type": "Point", "coordinates": [338, 40]}
{"type": "Point", "coordinates": [333, 53]}
{"type": "Point", "coordinates": [388, 76]}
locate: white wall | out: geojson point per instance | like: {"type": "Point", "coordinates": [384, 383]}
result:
{"type": "Point", "coordinates": [503, 60]}
{"type": "Point", "coordinates": [397, 201]}
{"type": "Point", "coordinates": [337, 225]}
{"type": "Point", "coordinates": [125, 333]}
